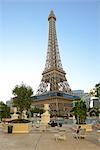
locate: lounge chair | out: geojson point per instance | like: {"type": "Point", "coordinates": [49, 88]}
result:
{"type": "Point", "coordinates": [60, 136]}
{"type": "Point", "coordinates": [81, 134]}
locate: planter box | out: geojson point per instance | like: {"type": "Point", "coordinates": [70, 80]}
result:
{"type": "Point", "coordinates": [18, 127]}
{"type": "Point", "coordinates": [88, 127]}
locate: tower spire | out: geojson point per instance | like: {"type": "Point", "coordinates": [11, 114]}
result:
{"type": "Point", "coordinates": [53, 75]}
{"type": "Point", "coordinates": [53, 57]}
{"type": "Point", "coordinates": [51, 15]}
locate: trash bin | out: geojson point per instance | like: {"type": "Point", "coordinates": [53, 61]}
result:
{"type": "Point", "coordinates": [10, 128]}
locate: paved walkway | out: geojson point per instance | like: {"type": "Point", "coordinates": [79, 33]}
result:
{"type": "Point", "coordinates": [45, 141]}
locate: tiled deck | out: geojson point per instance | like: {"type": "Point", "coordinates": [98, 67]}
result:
{"type": "Point", "coordinates": [37, 140]}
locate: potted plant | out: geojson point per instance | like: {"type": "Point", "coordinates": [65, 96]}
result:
{"type": "Point", "coordinates": [22, 101]}
{"type": "Point", "coordinates": [80, 111]}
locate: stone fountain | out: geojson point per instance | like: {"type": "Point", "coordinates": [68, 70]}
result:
{"type": "Point", "coordinates": [45, 117]}
{"type": "Point", "coordinates": [14, 116]}
{"type": "Point", "coordinates": [24, 116]}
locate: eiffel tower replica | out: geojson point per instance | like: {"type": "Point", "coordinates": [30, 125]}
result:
{"type": "Point", "coordinates": [54, 88]}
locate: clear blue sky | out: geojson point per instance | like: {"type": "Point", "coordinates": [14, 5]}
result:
{"type": "Point", "coordinates": [24, 40]}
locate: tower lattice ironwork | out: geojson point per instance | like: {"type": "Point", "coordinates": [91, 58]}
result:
{"type": "Point", "coordinates": [53, 76]}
